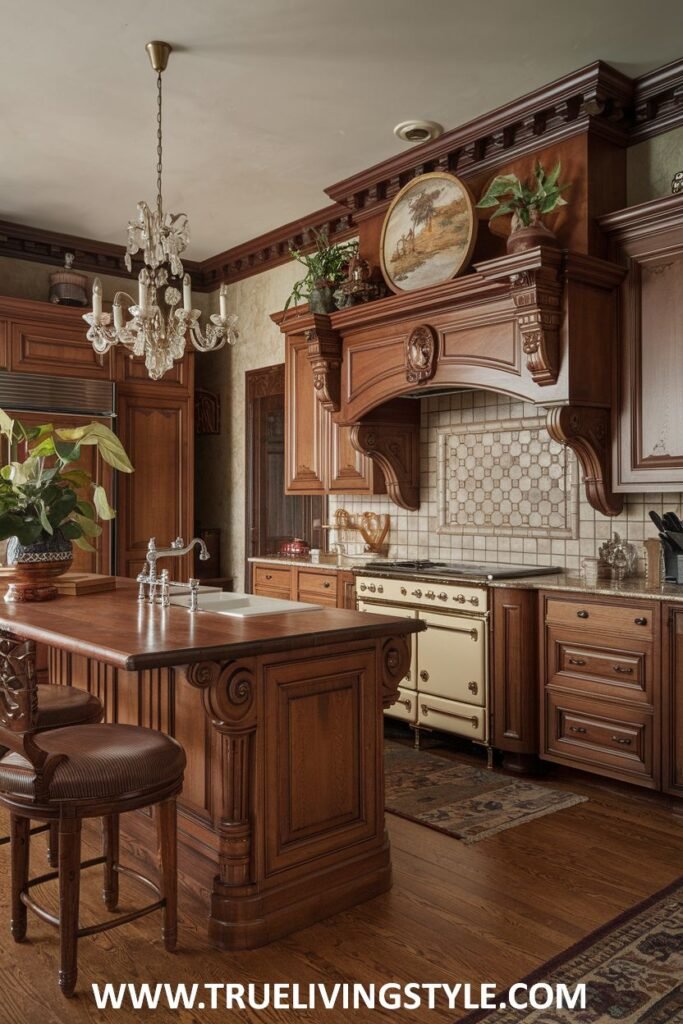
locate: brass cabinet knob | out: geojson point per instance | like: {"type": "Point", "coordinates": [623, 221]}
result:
{"type": "Point", "coordinates": [327, 585]}
{"type": "Point", "coordinates": [582, 615]}
{"type": "Point", "coordinates": [640, 621]}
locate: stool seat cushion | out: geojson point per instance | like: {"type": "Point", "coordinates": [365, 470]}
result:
{"type": "Point", "coordinates": [66, 705]}
{"type": "Point", "coordinates": [102, 761]}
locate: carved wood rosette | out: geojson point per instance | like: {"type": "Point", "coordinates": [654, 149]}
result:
{"type": "Point", "coordinates": [229, 692]}
{"type": "Point", "coordinates": [393, 442]}
{"type": "Point", "coordinates": [586, 430]}
{"type": "Point", "coordinates": [421, 354]}
{"type": "Point", "coordinates": [537, 296]}
{"type": "Point", "coordinates": [325, 357]}
{"type": "Point", "coordinates": [394, 666]}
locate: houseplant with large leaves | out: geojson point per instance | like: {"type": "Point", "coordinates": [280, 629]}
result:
{"type": "Point", "coordinates": [528, 202]}
{"type": "Point", "coordinates": [48, 502]}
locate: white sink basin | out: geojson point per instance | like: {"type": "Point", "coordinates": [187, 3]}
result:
{"type": "Point", "coordinates": [242, 605]}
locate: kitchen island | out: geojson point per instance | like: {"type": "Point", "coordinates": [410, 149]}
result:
{"type": "Point", "coordinates": [281, 820]}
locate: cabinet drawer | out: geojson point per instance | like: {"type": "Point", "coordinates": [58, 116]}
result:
{"type": "Point", "coordinates": [322, 584]}
{"type": "Point", "coordinates": [278, 594]}
{"type": "Point", "coordinates": [630, 619]}
{"type": "Point", "coordinates": [404, 707]}
{"type": "Point", "coordinates": [451, 716]}
{"type": "Point", "coordinates": [271, 577]}
{"type": "Point", "coordinates": [606, 738]}
{"type": "Point", "coordinates": [624, 672]}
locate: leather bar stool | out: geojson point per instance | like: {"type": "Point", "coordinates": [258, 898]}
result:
{"type": "Point", "coordinates": [59, 706]}
{"type": "Point", "coordinates": [67, 774]}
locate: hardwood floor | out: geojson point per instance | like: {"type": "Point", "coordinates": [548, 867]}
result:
{"type": "Point", "coordinates": [488, 912]}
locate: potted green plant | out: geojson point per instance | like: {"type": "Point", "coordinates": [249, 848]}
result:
{"type": "Point", "coordinates": [48, 503]}
{"type": "Point", "coordinates": [528, 203]}
{"type": "Point", "coordinates": [325, 269]}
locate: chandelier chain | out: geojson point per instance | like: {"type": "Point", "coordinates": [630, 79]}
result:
{"type": "Point", "coordinates": [159, 144]}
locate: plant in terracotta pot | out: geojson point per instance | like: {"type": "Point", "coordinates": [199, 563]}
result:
{"type": "Point", "coordinates": [528, 203]}
{"type": "Point", "coordinates": [325, 269]}
{"type": "Point", "coordinates": [48, 503]}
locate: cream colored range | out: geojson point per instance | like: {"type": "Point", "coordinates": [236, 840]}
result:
{"type": "Point", "coordinates": [447, 685]}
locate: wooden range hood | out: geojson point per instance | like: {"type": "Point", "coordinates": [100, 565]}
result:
{"type": "Point", "coordinates": [539, 326]}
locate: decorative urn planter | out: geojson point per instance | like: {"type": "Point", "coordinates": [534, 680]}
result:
{"type": "Point", "coordinates": [523, 237]}
{"type": "Point", "coordinates": [31, 568]}
{"type": "Point", "coordinates": [321, 298]}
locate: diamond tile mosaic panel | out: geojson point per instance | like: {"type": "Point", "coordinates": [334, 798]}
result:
{"type": "Point", "coordinates": [505, 478]}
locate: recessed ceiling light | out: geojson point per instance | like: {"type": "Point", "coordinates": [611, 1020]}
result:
{"type": "Point", "coordinates": [418, 131]}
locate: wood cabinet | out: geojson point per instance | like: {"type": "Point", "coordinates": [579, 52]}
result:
{"type": "Point", "coordinates": [648, 448]}
{"type": "Point", "coordinates": [672, 699]}
{"type": "Point", "coordinates": [600, 665]}
{"type": "Point", "coordinates": [314, 584]}
{"type": "Point", "coordinates": [157, 499]}
{"type": "Point", "coordinates": [319, 456]}
{"type": "Point", "coordinates": [514, 675]}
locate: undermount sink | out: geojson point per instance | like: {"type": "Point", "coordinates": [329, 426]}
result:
{"type": "Point", "coordinates": [243, 605]}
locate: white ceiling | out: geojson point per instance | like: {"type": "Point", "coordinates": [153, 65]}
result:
{"type": "Point", "coordinates": [269, 101]}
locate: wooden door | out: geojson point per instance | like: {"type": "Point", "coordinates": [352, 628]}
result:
{"type": "Point", "coordinates": [101, 559]}
{"type": "Point", "coordinates": [157, 499]}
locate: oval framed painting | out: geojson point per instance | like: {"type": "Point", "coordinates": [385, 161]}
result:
{"type": "Point", "coordinates": [428, 233]}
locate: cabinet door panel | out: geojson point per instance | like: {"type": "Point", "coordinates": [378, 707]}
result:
{"type": "Point", "coordinates": [155, 500]}
{"type": "Point", "coordinates": [452, 658]}
{"type": "Point", "coordinates": [672, 705]}
{"type": "Point", "coordinates": [304, 425]}
{"type": "Point", "coordinates": [37, 347]}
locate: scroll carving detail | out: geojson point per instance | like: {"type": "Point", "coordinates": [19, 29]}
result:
{"type": "Point", "coordinates": [537, 295]}
{"type": "Point", "coordinates": [325, 357]}
{"type": "Point", "coordinates": [395, 665]}
{"type": "Point", "coordinates": [586, 430]}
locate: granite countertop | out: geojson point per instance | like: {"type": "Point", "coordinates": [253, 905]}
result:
{"type": "Point", "coordinates": [304, 563]}
{"type": "Point", "coordinates": [631, 587]}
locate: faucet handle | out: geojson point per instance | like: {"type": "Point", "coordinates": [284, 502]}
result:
{"type": "Point", "coordinates": [178, 543]}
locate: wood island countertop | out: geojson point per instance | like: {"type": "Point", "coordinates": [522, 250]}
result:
{"type": "Point", "coordinates": [113, 627]}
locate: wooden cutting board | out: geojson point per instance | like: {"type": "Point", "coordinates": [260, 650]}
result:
{"type": "Point", "coordinates": [75, 584]}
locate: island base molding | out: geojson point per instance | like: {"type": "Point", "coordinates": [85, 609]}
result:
{"type": "Point", "coordinates": [281, 820]}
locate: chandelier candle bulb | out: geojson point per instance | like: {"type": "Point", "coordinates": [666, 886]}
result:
{"type": "Point", "coordinates": [97, 299]}
{"type": "Point", "coordinates": [187, 293]}
{"type": "Point", "coordinates": [223, 299]}
{"type": "Point", "coordinates": [118, 316]}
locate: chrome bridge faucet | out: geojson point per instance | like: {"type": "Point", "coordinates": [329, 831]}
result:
{"type": "Point", "coordinates": [154, 581]}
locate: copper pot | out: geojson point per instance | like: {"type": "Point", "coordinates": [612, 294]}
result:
{"type": "Point", "coordinates": [296, 548]}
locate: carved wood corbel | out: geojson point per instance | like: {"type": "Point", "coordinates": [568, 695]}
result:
{"type": "Point", "coordinates": [325, 357]}
{"type": "Point", "coordinates": [586, 430]}
{"type": "Point", "coordinates": [229, 692]}
{"type": "Point", "coordinates": [537, 295]}
{"type": "Point", "coordinates": [395, 663]}
{"type": "Point", "coordinates": [390, 435]}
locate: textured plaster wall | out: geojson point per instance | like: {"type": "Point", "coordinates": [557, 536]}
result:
{"type": "Point", "coordinates": [220, 459]}
{"type": "Point", "coordinates": [652, 165]}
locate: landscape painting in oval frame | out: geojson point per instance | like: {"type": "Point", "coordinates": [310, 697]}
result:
{"type": "Point", "coordinates": [428, 233]}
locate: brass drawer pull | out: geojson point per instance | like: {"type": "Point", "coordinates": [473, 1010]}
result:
{"type": "Point", "coordinates": [473, 720]}
{"type": "Point", "coordinates": [577, 661]}
{"type": "Point", "coordinates": [582, 615]}
{"type": "Point", "coordinates": [623, 741]}
{"type": "Point", "coordinates": [406, 702]}
{"type": "Point", "coordinates": [424, 676]}
{"type": "Point", "coordinates": [577, 728]}
{"type": "Point", "coordinates": [640, 621]}
{"type": "Point", "coordinates": [622, 668]}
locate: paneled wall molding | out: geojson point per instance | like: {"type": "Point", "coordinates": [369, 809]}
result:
{"type": "Point", "coordinates": [596, 99]}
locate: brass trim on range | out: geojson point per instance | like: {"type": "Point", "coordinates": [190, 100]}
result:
{"type": "Point", "coordinates": [462, 613]}
{"type": "Point", "coordinates": [472, 719]}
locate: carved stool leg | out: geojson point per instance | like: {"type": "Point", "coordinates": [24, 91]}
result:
{"type": "Point", "coordinates": [20, 836]}
{"type": "Point", "coordinates": [53, 845]}
{"type": "Point", "coordinates": [110, 850]}
{"type": "Point", "coordinates": [69, 892]}
{"type": "Point", "coordinates": [168, 854]}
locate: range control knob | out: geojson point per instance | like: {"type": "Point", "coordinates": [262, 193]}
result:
{"type": "Point", "coordinates": [417, 593]}
{"type": "Point", "coordinates": [372, 588]}
{"type": "Point", "coordinates": [443, 596]}
{"type": "Point", "coordinates": [363, 587]}
{"type": "Point", "coordinates": [430, 595]}
{"type": "Point", "coordinates": [403, 591]}
{"type": "Point", "coordinates": [380, 589]}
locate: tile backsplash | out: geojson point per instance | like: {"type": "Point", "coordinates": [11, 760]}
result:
{"type": "Point", "coordinates": [460, 519]}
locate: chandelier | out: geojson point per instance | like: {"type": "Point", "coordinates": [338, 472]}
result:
{"type": "Point", "coordinates": [158, 326]}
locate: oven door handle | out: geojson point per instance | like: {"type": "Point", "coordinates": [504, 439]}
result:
{"type": "Point", "coordinates": [473, 634]}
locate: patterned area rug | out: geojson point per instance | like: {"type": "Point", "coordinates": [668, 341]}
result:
{"type": "Point", "coordinates": [632, 969]}
{"type": "Point", "coordinates": [463, 801]}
